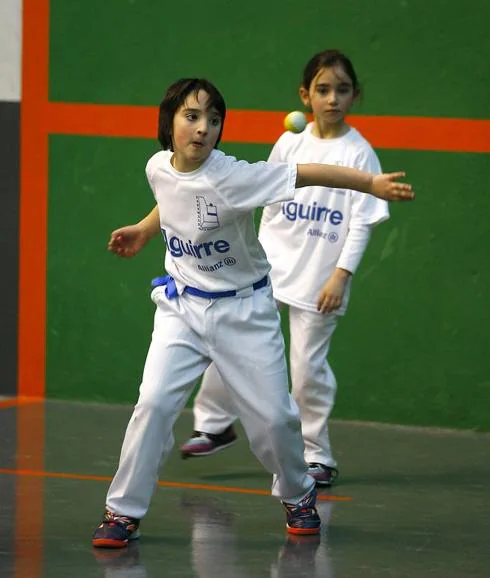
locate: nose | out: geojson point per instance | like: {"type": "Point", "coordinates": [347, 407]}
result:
{"type": "Point", "coordinates": [332, 97]}
{"type": "Point", "coordinates": [203, 127]}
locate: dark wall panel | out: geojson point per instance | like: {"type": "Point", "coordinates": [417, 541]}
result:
{"type": "Point", "coordinates": [9, 243]}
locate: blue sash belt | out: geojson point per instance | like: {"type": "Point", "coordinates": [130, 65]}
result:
{"type": "Point", "coordinates": [171, 290]}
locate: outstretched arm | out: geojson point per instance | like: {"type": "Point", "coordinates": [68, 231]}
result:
{"type": "Point", "coordinates": [384, 186]}
{"type": "Point", "coordinates": [128, 241]}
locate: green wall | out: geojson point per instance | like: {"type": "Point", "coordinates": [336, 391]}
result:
{"type": "Point", "coordinates": [416, 57]}
{"type": "Point", "coordinates": [412, 347]}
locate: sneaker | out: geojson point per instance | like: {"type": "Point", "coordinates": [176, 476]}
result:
{"type": "Point", "coordinates": [205, 444]}
{"type": "Point", "coordinates": [302, 518]}
{"type": "Point", "coordinates": [115, 531]}
{"type": "Point", "coordinates": [324, 475]}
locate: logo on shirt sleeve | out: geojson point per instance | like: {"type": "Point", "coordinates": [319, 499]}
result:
{"type": "Point", "coordinates": [207, 215]}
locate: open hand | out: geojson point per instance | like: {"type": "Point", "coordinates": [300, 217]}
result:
{"type": "Point", "coordinates": [332, 292]}
{"type": "Point", "coordinates": [127, 241]}
{"type": "Point", "coordinates": [387, 187]}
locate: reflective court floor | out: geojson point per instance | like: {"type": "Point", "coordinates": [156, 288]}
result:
{"type": "Point", "coordinates": [409, 503]}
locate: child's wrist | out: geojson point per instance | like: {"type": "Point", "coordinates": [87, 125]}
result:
{"type": "Point", "coordinates": [370, 184]}
{"type": "Point", "coordinates": [342, 274]}
{"type": "Point", "coordinates": [146, 230]}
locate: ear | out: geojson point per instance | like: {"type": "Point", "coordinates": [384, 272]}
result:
{"type": "Point", "coordinates": [305, 97]}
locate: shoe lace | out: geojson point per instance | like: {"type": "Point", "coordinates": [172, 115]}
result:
{"type": "Point", "coordinates": [199, 435]}
{"type": "Point", "coordinates": [303, 508]}
{"type": "Point", "coordinates": [125, 521]}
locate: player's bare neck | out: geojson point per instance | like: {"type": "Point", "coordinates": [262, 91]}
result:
{"type": "Point", "coordinates": [327, 131]}
{"type": "Point", "coordinates": [184, 165]}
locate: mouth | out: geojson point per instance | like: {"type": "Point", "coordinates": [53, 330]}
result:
{"type": "Point", "coordinates": [197, 144]}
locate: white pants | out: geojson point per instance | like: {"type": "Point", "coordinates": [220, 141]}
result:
{"type": "Point", "coordinates": [242, 336]}
{"type": "Point", "coordinates": [313, 386]}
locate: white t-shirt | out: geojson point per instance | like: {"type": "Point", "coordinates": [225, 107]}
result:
{"type": "Point", "coordinates": [303, 238]}
{"type": "Point", "coordinates": [206, 217]}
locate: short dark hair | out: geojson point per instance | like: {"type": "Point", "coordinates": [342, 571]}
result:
{"type": "Point", "coordinates": [326, 59]}
{"type": "Point", "coordinates": [175, 97]}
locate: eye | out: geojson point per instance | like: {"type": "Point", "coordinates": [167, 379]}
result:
{"type": "Point", "coordinates": [216, 121]}
{"type": "Point", "coordinates": [191, 116]}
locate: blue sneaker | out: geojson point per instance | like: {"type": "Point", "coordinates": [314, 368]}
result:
{"type": "Point", "coordinates": [115, 531]}
{"type": "Point", "coordinates": [302, 518]}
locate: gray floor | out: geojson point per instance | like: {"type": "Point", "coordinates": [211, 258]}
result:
{"type": "Point", "coordinates": [409, 503]}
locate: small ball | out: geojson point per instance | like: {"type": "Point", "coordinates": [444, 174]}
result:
{"type": "Point", "coordinates": [295, 121]}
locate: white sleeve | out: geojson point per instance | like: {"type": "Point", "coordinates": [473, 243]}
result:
{"type": "Point", "coordinates": [151, 167]}
{"type": "Point", "coordinates": [366, 209]}
{"type": "Point", "coordinates": [276, 155]}
{"type": "Point", "coordinates": [149, 174]}
{"type": "Point", "coordinates": [245, 186]}
{"type": "Point", "coordinates": [354, 247]}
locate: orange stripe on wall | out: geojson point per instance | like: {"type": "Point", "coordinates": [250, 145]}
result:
{"type": "Point", "coordinates": [264, 127]}
{"type": "Point", "coordinates": [32, 286]}
{"type": "Point", "coordinates": [33, 197]}
{"type": "Point", "coordinates": [101, 120]}
{"type": "Point", "coordinates": [425, 133]}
